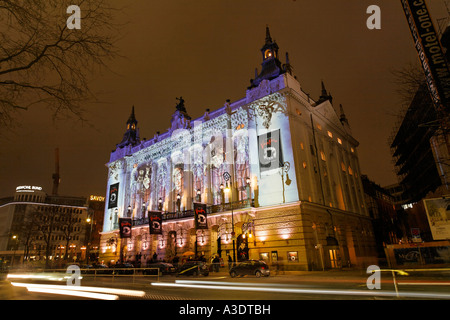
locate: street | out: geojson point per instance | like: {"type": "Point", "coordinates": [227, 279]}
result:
{"type": "Point", "coordinates": [326, 285]}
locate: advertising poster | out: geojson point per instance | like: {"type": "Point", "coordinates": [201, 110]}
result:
{"type": "Point", "coordinates": [125, 227]}
{"type": "Point", "coordinates": [269, 150]}
{"type": "Point", "coordinates": [201, 221]}
{"type": "Point", "coordinates": [113, 195]}
{"type": "Point", "coordinates": [155, 222]}
{"type": "Point", "coordinates": [438, 215]}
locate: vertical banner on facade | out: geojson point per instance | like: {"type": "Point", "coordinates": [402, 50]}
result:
{"type": "Point", "coordinates": [113, 195]}
{"type": "Point", "coordinates": [201, 221]}
{"type": "Point", "coordinates": [269, 150]}
{"type": "Point", "coordinates": [429, 49]}
{"type": "Point", "coordinates": [155, 222]}
{"type": "Point", "coordinates": [125, 227]}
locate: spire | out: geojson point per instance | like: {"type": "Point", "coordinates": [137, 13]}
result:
{"type": "Point", "coordinates": [268, 37]}
{"type": "Point", "coordinates": [132, 118]}
{"type": "Point", "coordinates": [271, 65]}
{"type": "Point", "coordinates": [287, 66]}
{"type": "Point", "coordinates": [324, 95]}
{"type": "Point", "coordinates": [342, 117]}
{"type": "Point", "coordinates": [131, 135]}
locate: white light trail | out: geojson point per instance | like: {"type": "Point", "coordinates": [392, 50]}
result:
{"type": "Point", "coordinates": [82, 291]}
{"type": "Point", "coordinates": [240, 287]}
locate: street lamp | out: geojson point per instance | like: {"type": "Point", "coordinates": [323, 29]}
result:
{"type": "Point", "coordinates": [160, 204]}
{"type": "Point", "coordinates": [233, 235]}
{"type": "Point", "coordinates": [178, 203]}
{"type": "Point", "coordinates": [91, 222]}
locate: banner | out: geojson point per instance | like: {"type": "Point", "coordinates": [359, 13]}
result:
{"type": "Point", "coordinates": [155, 222]}
{"type": "Point", "coordinates": [113, 195]}
{"type": "Point", "coordinates": [201, 221]}
{"type": "Point", "coordinates": [125, 227]}
{"type": "Point", "coordinates": [429, 49]}
{"type": "Point", "coordinates": [269, 150]}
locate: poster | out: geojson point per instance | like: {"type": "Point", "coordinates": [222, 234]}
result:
{"type": "Point", "coordinates": [438, 215]}
{"type": "Point", "coordinates": [201, 221]}
{"type": "Point", "coordinates": [155, 222]}
{"type": "Point", "coordinates": [269, 151]}
{"type": "Point", "coordinates": [125, 227]}
{"type": "Point", "coordinates": [113, 195]}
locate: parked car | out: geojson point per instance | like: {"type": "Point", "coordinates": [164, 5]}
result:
{"type": "Point", "coordinates": [193, 268]}
{"type": "Point", "coordinates": [103, 269]}
{"type": "Point", "coordinates": [123, 268]}
{"type": "Point", "coordinates": [250, 267]}
{"type": "Point", "coordinates": [164, 268]}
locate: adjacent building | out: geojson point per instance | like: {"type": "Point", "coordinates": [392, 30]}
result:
{"type": "Point", "coordinates": [276, 173]}
{"type": "Point", "coordinates": [46, 230]}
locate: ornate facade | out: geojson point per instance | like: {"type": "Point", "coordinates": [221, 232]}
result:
{"type": "Point", "coordinates": [278, 171]}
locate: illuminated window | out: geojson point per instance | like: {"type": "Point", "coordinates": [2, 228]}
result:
{"type": "Point", "coordinates": [267, 54]}
{"type": "Point", "coordinates": [322, 155]}
{"type": "Point", "coordinates": [301, 146]}
{"type": "Point", "coordinates": [339, 140]}
{"type": "Point", "coordinates": [304, 164]}
{"type": "Point", "coordinates": [342, 166]}
{"type": "Point", "coordinates": [331, 135]}
{"type": "Point", "coordinates": [350, 171]}
{"type": "Point", "coordinates": [352, 150]}
{"type": "Point", "coordinates": [319, 127]}
{"type": "Point", "coordinates": [298, 112]}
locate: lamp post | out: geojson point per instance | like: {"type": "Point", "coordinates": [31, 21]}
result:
{"type": "Point", "coordinates": [249, 191]}
{"type": "Point", "coordinates": [91, 222]}
{"type": "Point", "coordinates": [229, 188]}
{"type": "Point", "coordinates": [178, 203]}
{"type": "Point", "coordinates": [160, 204]}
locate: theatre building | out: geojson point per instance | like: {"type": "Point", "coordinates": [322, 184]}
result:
{"type": "Point", "coordinates": [272, 176]}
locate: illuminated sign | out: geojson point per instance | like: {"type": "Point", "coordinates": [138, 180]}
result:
{"type": "Point", "coordinates": [96, 198]}
{"type": "Point", "coordinates": [28, 188]}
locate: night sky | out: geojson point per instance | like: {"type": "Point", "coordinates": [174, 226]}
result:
{"type": "Point", "coordinates": [206, 51]}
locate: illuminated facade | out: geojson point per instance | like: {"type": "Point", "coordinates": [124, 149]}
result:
{"type": "Point", "coordinates": [276, 167]}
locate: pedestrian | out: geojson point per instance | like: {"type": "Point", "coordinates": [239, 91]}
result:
{"type": "Point", "coordinates": [216, 263]}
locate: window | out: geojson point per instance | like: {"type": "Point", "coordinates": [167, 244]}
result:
{"type": "Point", "coordinates": [339, 140]}
{"type": "Point", "coordinates": [319, 127]}
{"type": "Point", "coordinates": [343, 166]}
{"type": "Point", "coordinates": [304, 164]}
{"type": "Point", "coordinates": [322, 155]}
{"type": "Point", "coordinates": [331, 135]}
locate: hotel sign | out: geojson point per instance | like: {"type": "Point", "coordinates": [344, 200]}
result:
{"type": "Point", "coordinates": [429, 49]}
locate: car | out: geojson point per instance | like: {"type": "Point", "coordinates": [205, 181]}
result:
{"type": "Point", "coordinates": [123, 268]}
{"type": "Point", "coordinates": [164, 268]}
{"type": "Point", "coordinates": [250, 267]}
{"type": "Point", "coordinates": [193, 268]}
{"type": "Point", "coordinates": [102, 269]}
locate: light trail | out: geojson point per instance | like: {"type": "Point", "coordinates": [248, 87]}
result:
{"type": "Point", "coordinates": [81, 291]}
{"type": "Point", "coordinates": [239, 287]}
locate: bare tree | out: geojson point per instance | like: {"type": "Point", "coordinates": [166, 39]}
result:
{"type": "Point", "coordinates": [408, 80]}
{"type": "Point", "coordinates": [44, 63]}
